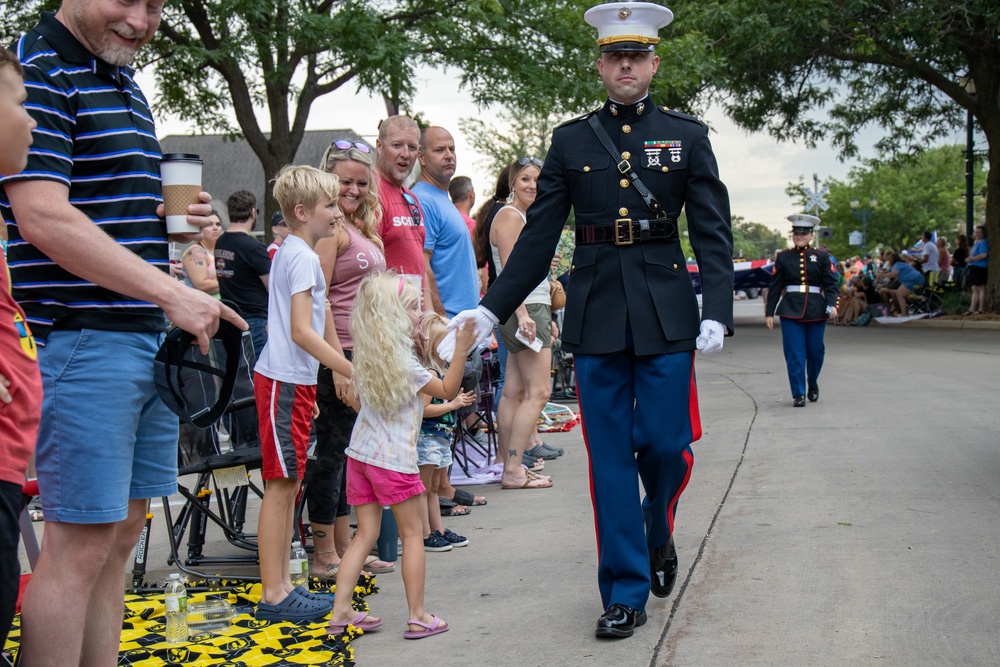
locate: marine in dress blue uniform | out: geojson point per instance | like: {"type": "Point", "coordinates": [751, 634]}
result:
{"type": "Point", "coordinates": [631, 319]}
{"type": "Point", "coordinates": [803, 293]}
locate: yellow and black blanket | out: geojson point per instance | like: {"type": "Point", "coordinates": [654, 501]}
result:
{"type": "Point", "coordinates": [248, 643]}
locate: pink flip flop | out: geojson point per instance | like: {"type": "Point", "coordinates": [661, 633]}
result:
{"type": "Point", "coordinates": [435, 627]}
{"type": "Point", "coordinates": [338, 627]}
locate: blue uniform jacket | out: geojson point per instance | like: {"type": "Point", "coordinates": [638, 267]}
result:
{"type": "Point", "coordinates": [644, 285]}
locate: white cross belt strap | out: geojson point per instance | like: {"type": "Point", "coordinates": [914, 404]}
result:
{"type": "Point", "coordinates": [803, 288]}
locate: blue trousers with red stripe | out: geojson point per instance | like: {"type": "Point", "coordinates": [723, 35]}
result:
{"type": "Point", "coordinates": [640, 416]}
{"type": "Point", "coordinates": [804, 352]}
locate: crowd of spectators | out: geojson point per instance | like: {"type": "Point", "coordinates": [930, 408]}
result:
{"type": "Point", "coordinates": [890, 282]}
{"type": "Point", "coordinates": [425, 235]}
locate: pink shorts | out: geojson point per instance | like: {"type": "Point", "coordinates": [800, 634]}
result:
{"type": "Point", "coordinates": [370, 484]}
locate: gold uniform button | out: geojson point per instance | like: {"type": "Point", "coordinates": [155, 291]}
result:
{"type": "Point", "coordinates": [624, 182]}
{"type": "Point", "coordinates": [675, 267]}
{"type": "Point", "coordinates": [587, 168]}
{"type": "Point", "coordinates": [623, 211]}
{"type": "Point", "coordinates": [626, 128]}
{"type": "Point", "coordinates": [626, 154]}
{"type": "Point", "coordinates": [666, 108]}
{"type": "Point", "coordinates": [664, 169]}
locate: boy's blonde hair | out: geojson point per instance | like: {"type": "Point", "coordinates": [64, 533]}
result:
{"type": "Point", "coordinates": [301, 184]}
{"type": "Point", "coordinates": [432, 325]}
{"type": "Point", "coordinates": [384, 341]}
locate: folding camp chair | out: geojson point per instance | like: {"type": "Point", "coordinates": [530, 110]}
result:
{"type": "Point", "coordinates": [223, 473]}
{"type": "Point", "coordinates": [563, 375]}
{"type": "Point", "coordinates": [462, 439]}
{"type": "Point", "coordinates": [218, 471]}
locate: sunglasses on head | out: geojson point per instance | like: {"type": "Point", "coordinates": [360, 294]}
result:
{"type": "Point", "coordinates": [525, 161]}
{"type": "Point", "coordinates": [414, 209]}
{"type": "Point", "coordinates": [344, 144]}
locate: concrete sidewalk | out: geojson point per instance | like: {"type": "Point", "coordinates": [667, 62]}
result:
{"type": "Point", "coordinates": [859, 530]}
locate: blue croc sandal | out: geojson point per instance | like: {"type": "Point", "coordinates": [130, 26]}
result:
{"type": "Point", "coordinates": [325, 598]}
{"type": "Point", "coordinates": [294, 609]}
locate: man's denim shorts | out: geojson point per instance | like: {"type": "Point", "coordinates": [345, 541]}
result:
{"type": "Point", "coordinates": [434, 447]}
{"type": "Point", "coordinates": [106, 437]}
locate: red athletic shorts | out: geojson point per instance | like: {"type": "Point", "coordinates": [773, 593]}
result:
{"type": "Point", "coordinates": [284, 412]}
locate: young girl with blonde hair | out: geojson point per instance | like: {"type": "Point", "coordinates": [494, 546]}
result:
{"type": "Point", "coordinates": [382, 457]}
{"type": "Point", "coordinates": [346, 257]}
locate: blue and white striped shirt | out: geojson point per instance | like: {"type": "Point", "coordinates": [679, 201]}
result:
{"type": "Point", "coordinates": [96, 136]}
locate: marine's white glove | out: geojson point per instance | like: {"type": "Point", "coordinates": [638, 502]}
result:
{"type": "Point", "coordinates": [711, 336]}
{"type": "Point", "coordinates": [484, 322]}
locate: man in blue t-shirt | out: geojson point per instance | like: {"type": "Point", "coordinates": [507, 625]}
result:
{"type": "Point", "coordinates": [448, 251]}
{"type": "Point", "coordinates": [449, 257]}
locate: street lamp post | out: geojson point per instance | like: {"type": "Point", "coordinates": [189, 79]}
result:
{"type": "Point", "coordinates": [970, 158]}
{"type": "Point", "coordinates": [864, 215]}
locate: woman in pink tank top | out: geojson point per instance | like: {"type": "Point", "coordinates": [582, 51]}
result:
{"type": "Point", "coordinates": [347, 257]}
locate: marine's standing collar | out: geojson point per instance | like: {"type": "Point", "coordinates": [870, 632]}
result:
{"type": "Point", "coordinates": [628, 112]}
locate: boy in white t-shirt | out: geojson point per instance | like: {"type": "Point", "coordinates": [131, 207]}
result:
{"type": "Point", "coordinates": [285, 381]}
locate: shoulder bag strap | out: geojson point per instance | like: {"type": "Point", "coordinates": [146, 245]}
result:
{"type": "Point", "coordinates": [624, 167]}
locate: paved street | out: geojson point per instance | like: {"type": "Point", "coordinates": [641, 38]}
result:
{"type": "Point", "coordinates": [860, 530]}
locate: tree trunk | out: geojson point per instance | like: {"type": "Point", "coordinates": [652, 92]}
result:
{"type": "Point", "coordinates": [272, 166]}
{"type": "Point", "coordinates": [993, 225]}
{"type": "Point", "coordinates": [989, 120]}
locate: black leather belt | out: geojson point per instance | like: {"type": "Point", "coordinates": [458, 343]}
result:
{"type": "Point", "coordinates": [626, 231]}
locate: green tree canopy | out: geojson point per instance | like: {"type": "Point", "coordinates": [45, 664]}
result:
{"type": "Point", "coordinates": [508, 136]}
{"type": "Point", "coordinates": [752, 240]}
{"type": "Point", "coordinates": [913, 195]}
{"type": "Point", "coordinates": [806, 69]}
{"type": "Point", "coordinates": [265, 62]}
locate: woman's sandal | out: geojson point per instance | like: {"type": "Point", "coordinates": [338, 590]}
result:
{"type": "Point", "coordinates": [376, 566]}
{"type": "Point", "coordinates": [532, 481]}
{"type": "Point", "coordinates": [457, 510]}
{"type": "Point", "coordinates": [327, 574]}
{"type": "Point", "coordinates": [463, 497]}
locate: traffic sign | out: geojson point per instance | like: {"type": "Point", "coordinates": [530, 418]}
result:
{"type": "Point", "coordinates": [815, 199]}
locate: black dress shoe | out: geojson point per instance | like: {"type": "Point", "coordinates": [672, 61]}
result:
{"type": "Point", "coordinates": [663, 569]}
{"type": "Point", "coordinates": [799, 401]}
{"type": "Point", "coordinates": [619, 621]}
{"type": "Point", "coordinates": [813, 394]}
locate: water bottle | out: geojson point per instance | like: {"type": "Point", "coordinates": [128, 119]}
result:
{"type": "Point", "coordinates": [298, 566]}
{"type": "Point", "coordinates": [388, 536]}
{"type": "Point", "coordinates": [176, 603]}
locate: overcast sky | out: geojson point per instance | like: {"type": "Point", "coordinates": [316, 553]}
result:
{"type": "Point", "coordinates": [755, 168]}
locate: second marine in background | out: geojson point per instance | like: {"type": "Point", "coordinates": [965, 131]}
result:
{"type": "Point", "coordinates": [804, 282]}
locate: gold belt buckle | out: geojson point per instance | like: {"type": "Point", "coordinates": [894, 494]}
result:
{"type": "Point", "coordinates": [626, 237]}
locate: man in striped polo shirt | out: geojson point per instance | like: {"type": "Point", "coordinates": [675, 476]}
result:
{"type": "Point", "coordinates": [89, 265]}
